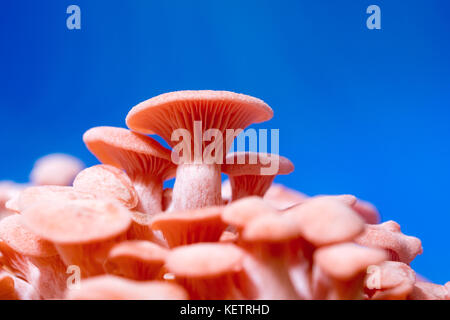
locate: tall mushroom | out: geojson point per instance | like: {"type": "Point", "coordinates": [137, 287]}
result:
{"type": "Point", "coordinates": [200, 119]}
{"type": "Point", "coordinates": [251, 173]}
{"type": "Point", "coordinates": [146, 162]}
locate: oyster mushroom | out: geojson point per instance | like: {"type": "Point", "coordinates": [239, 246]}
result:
{"type": "Point", "coordinates": [82, 231]}
{"type": "Point", "coordinates": [14, 288]}
{"type": "Point", "coordinates": [389, 237]}
{"type": "Point", "coordinates": [251, 174]}
{"type": "Point", "coordinates": [55, 169]}
{"type": "Point", "coordinates": [105, 181]}
{"type": "Point", "coordinates": [109, 287]}
{"type": "Point", "coordinates": [32, 258]}
{"type": "Point", "coordinates": [210, 271]}
{"type": "Point", "coordinates": [146, 162]}
{"type": "Point", "coordinates": [197, 117]}
{"type": "Point", "coordinates": [187, 227]}
{"type": "Point", "coordinates": [137, 260]}
{"type": "Point", "coordinates": [390, 280]}
{"type": "Point", "coordinates": [339, 270]}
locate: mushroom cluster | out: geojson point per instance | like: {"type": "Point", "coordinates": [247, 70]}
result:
{"type": "Point", "coordinates": [113, 231]}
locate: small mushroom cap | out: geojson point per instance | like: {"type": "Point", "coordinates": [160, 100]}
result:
{"type": "Point", "coordinates": [7, 287]}
{"type": "Point", "coordinates": [220, 110]}
{"type": "Point", "coordinates": [8, 190]}
{"type": "Point", "coordinates": [241, 212]}
{"type": "Point", "coordinates": [105, 181]}
{"type": "Point", "coordinates": [429, 291]}
{"type": "Point", "coordinates": [395, 279]}
{"type": "Point", "coordinates": [131, 151]}
{"type": "Point", "coordinates": [388, 236]}
{"type": "Point", "coordinates": [14, 234]}
{"type": "Point", "coordinates": [191, 226]}
{"type": "Point", "coordinates": [139, 250]}
{"type": "Point", "coordinates": [326, 221]}
{"type": "Point", "coordinates": [205, 260]}
{"type": "Point", "coordinates": [253, 163]}
{"type": "Point", "coordinates": [271, 228]}
{"type": "Point", "coordinates": [56, 169]}
{"type": "Point", "coordinates": [77, 222]}
{"type": "Point", "coordinates": [367, 211]}
{"type": "Point", "coordinates": [108, 287]}
{"type": "Point", "coordinates": [49, 194]}
{"type": "Point", "coordinates": [345, 260]}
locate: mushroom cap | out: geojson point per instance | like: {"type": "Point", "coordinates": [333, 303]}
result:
{"type": "Point", "coordinates": [76, 222]}
{"type": "Point", "coordinates": [367, 211]}
{"type": "Point", "coordinates": [14, 234]}
{"type": "Point", "coordinates": [429, 291]}
{"type": "Point", "coordinates": [221, 110]}
{"type": "Point", "coordinates": [345, 260]}
{"type": "Point", "coordinates": [139, 250]}
{"type": "Point", "coordinates": [49, 194]}
{"type": "Point", "coordinates": [241, 212]}
{"type": "Point", "coordinates": [396, 281]}
{"type": "Point", "coordinates": [137, 154]}
{"type": "Point", "coordinates": [108, 287]}
{"type": "Point", "coordinates": [191, 226]}
{"type": "Point", "coordinates": [252, 163]}
{"type": "Point", "coordinates": [105, 181]}
{"type": "Point", "coordinates": [271, 228]}
{"type": "Point", "coordinates": [56, 169]}
{"type": "Point", "coordinates": [388, 236]}
{"type": "Point", "coordinates": [326, 221]}
{"type": "Point", "coordinates": [204, 260]}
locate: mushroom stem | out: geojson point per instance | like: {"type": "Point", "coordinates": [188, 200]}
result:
{"type": "Point", "coordinates": [196, 186]}
{"type": "Point", "coordinates": [149, 192]}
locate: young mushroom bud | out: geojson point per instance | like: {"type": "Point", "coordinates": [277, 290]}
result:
{"type": "Point", "coordinates": [147, 163]}
{"type": "Point", "coordinates": [55, 169]}
{"type": "Point", "coordinates": [251, 173]}
{"type": "Point", "coordinates": [206, 122]}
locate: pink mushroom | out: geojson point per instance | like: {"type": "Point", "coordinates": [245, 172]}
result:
{"type": "Point", "coordinates": [109, 287]}
{"type": "Point", "coordinates": [187, 227]}
{"type": "Point", "coordinates": [55, 169]}
{"type": "Point", "coordinates": [389, 237]}
{"type": "Point", "coordinates": [390, 280]}
{"type": "Point", "coordinates": [146, 162]}
{"type": "Point", "coordinates": [32, 258]}
{"type": "Point", "coordinates": [138, 260]}
{"type": "Point", "coordinates": [210, 271]}
{"type": "Point", "coordinates": [251, 174]}
{"type": "Point", "coordinates": [14, 288]}
{"type": "Point", "coordinates": [105, 181]}
{"type": "Point", "coordinates": [429, 291]}
{"type": "Point", "coordinates": [196, 117]}
{"type": "Point", "coordinates": [32, 195]}
{"type": "Point", "coordinates": [83, 231]}
{"type": "Point", "coordinates": [339, 270]}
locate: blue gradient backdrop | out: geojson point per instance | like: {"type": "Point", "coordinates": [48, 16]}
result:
{"type": "Point", "coordinates": [360, 111]}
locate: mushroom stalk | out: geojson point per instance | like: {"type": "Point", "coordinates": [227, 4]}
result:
{"type": "Point", "coordinates": [149, 191]}
{"type": "Point", "coordinates": [196, 186]}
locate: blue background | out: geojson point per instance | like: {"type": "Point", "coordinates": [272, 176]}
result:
{"type": "Point", "coordinates": [359, 111]}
